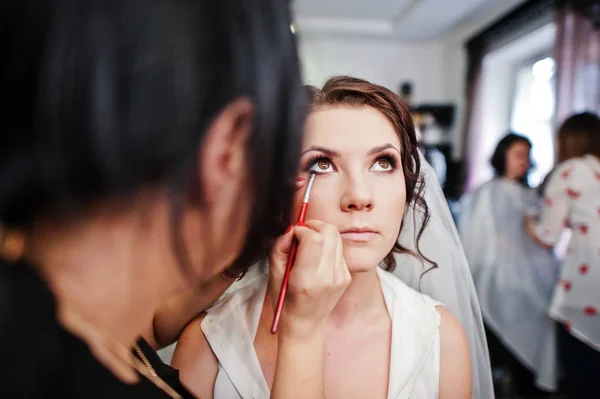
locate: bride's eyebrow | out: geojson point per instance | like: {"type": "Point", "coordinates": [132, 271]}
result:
{"type": "Point", "coordinates": [381, 148]}
{"type": "Point", "coordinates": [333, 153]}
{"type": "Point", "coordinates": [326, 151]}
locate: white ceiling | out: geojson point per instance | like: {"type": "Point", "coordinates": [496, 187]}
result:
{"type": "Point", "coordinates": [400, 19]}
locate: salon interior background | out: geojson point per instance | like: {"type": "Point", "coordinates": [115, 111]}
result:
{"type": "Point", "coordinates": [423, 42]}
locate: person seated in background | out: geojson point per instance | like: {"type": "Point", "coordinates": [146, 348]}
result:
{"type": "Point", "coordinates": [513, 276]}
{"type": "Point", "coordinates": [572, 199]}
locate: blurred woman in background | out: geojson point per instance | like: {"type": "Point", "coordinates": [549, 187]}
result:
{"type": "Point", "coordinates": [572, 199]}
{"type": "Point", "coordinates": [513, 276]}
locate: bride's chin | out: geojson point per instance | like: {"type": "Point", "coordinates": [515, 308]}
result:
{"type": "Point", "coordinates": [361, 260]}
{"type": "Point", "coordinates": [360, 267]}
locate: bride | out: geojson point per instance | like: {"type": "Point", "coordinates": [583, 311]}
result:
{"type": "Point", "coordinates": [383, 338]}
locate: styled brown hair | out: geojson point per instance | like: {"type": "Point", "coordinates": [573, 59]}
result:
{"type": "Point", "coordinates": [353, 92]}
{"type": "Point", "coordinates": [579, 135]}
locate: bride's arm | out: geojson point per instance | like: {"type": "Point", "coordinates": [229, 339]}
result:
{"type": "Point", "coordinates": [455, 360]}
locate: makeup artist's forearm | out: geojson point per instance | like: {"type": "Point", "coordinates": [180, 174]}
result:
{"type": "Point", "coordinates": [300, 371]}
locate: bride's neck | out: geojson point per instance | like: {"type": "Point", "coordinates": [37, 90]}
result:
{"type": "Point", "coordinates": [363, 295]}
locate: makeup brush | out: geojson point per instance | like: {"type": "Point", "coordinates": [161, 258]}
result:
{"type": "Point", "coordinates": [292, 256]}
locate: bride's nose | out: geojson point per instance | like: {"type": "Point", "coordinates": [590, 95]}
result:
{"type": "Point", "coordinates": [357, 195]}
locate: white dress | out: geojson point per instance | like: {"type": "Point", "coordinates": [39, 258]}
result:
{"type": "Point", "coordinates": [573, 199]}
{"type": "Point", "coordinates": [514, 277]}
{"type": "Point", "coordinates": [230, 328]}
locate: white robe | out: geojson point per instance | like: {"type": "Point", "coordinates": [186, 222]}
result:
{"type": "Point", "coordinates": [513, 276]}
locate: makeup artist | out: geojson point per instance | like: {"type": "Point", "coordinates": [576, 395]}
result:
{"type": "Point", "coordinates": [145, 147]}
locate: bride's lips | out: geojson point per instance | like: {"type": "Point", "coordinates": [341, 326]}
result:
{"type": "Point", "coordinates": [358, 234]}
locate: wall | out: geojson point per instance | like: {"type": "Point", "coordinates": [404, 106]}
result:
{"type": "Point", "coordinates": [455, 59]}
{"type": "Point", "coordinates": [385, 61]}
{"type": "Point", "coordinates": [437, 67]}
{"type": "Point", "coordinates": [497, 91]}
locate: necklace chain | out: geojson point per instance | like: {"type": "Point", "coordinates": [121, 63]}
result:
{"type": "Point", "coordinates": [145, 368]}
{"type": "Point", "coordinates": [145, 360]}
{"type": "Point", "coordinates": [73, 319]}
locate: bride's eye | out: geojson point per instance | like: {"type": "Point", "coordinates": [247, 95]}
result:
{"type": "Point", "coordinates": [321, 165]}
{"type": "Point", "coordinates": [382, 164]}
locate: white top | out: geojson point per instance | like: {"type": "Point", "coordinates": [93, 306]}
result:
{"type": "Point", "coordinates": [513, 276]}
{"type": "Point", "coordinates": [230, 328]}
{"type": "Point", "coordinates": [573, 199]}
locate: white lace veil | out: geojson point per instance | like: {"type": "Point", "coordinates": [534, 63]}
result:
{"type": "Point", "coordinates": [451, 282]}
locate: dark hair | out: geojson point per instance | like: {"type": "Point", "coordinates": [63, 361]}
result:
{"type": "Point", "coordinates": [498, 160]}
{"type": "Point", "coordinates": [103, 97]}
{"type": "Point", "coordinates": [579, 135]}
{"type": "Point", "coordinates": [354, 92]}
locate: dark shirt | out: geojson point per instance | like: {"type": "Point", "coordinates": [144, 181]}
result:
{"type": "Point", "coordinates": [40, 359]}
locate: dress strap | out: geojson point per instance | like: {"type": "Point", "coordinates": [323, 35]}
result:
{"type": "Point", "coordinates": [230, 329]}
{"type": "Point", "coordinates": [415, 335]}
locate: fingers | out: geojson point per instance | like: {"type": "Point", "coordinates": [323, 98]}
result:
{"type": "Point", "coordinates": [315, 225]}
{"type": "Point", "coordinates": [320, 237]}
{"type": "Point", "coordinates": [316, 240]}
{"type": "Point", "coordinates": [318, 278]}
{"type": "Point", "coordinates": [282, 245]}
{"type": "Point", "coordinates": [310, 227]}
{"type": "Point", "coordinates": [339, 256]}
{"type": "Point", "coordinates": [300, 182]}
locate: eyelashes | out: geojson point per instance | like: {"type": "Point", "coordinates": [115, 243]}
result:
{"type": "Point", "coordinates": [314, 160]}
{"type": "Point", "coordinates": [392, 159]}
{"type": "Point", "coordinates": [322, 163]}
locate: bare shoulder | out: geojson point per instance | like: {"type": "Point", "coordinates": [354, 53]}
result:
{"type": "Point", "coordinates": [195, 360]}
{"type": "Point", "coordinates": [455, 358]}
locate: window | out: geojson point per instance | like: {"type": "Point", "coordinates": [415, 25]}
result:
{"type": "Point", "coordinates": [533, 111]}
